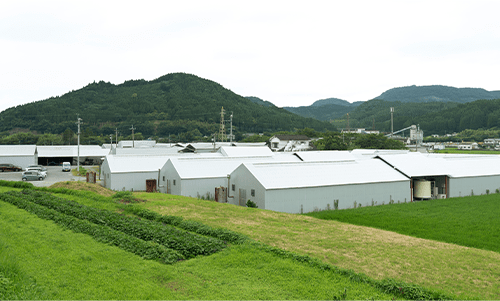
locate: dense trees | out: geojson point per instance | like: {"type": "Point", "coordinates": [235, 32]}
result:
{"type": "Point", "coordinates": [172, 104]}
{"type": "Point", "coordinates": [336, 141]}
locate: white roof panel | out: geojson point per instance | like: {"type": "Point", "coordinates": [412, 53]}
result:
{"type": "Point", "coordinates": [317, 156]}
{"type": "Point", "coordinates": [318, 174]}
{"type": "Point", "coordinates": [71, 151]}
{"type": "Point", "coordinates": [190, 168]}
{"type": "Point", "coordinates": [419, 165]}
{"type": "Point", "coordinates": [17, 150]}
{"type": "Point", "coordinates": [232, 151]}
{"type": "Point", "coordinates": [126, 164]}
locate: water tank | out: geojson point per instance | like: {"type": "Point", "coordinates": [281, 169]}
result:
{"type": "Point", "coordinates": [422, 189]}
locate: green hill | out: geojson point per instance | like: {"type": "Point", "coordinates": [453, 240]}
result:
{"type": "Point", "coordinates": [171, 104]}
{"type": "Point", "coordinates": [325, 109]}
{"type": "Point", "coordinates": [437, 93]}
{"type": "Point", "coordinates": [412, 101]}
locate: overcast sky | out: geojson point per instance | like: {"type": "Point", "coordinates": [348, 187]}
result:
{"type": "Point", "coordinates": [290, 53]}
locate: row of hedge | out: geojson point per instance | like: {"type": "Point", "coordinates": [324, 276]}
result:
{"type": "Point", "coordinates": [186, 243]}
{"type": "Point", "coordinates": [101, 233]}
{"type": "Point", "coordinates": [192, 226]}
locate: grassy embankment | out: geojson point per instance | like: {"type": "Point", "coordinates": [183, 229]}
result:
{"type": "Point", "coordinates": [468, 221]}
{"type": "Point", "coordinates": [41, 260]}
{"type": "Point", "coordinates": [465, 272]}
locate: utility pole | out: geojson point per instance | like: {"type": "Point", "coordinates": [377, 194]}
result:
{"type": "Point", "coordinates": [222, 128]}
{"type": "Point", "coordinates": [348, 127]}
{"type": "Point", "coordinates": [392, 121]}
{"type": "Point", "coordinates": [231, 129]}
{"type": "Point", "coordinates": [116, 140]}
{"type": "Point", "coordinates": [78, 156]}
{"type": "Point", "coordinates": [133, 143]}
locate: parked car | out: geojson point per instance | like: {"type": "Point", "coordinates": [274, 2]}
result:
{"type": "Point", "coordinates": [66, 166]}
{"type": "Point", "coordinates": [32, 175]}
{"type": "Point", "coordinates": [43, 168]}
{"type": "Point", "coordinates": [42, 172]}
{"type": "Point", "coordinates": [9, 167]}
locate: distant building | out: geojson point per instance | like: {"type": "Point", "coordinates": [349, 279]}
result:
{"type": "Point", "coordinates": [290, 143]}
{"type": "Point", "coordinates": [359, 131]}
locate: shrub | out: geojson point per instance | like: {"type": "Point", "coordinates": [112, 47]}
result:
{"type": "Point", "coordinates": [251, 204]}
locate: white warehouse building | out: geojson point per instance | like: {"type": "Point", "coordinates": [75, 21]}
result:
{"type": "Point", "coordinates": [199, 176]}
{"type": "Point", "coordinates": [308, 186]}
{"type": "Point", "coordinates": [19, 155]}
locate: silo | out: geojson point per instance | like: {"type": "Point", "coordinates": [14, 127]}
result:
{"type": "Point", "coordinates": [422, 189]}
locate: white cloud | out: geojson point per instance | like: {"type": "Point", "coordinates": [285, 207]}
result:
{"type": "Point", "coordinates": [288, 52]}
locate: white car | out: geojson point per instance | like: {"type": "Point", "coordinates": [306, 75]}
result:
{"type": "Point", "coordinates": [39, 169]}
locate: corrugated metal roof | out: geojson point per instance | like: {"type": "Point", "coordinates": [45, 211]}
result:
{"type": "Point", "coordinates": [232, 151]}
{"type": "Point", "coordinates": [420, 165]}
{"type": "Point", "coordinates": [154, 151]}
{"type": "Point", "coordinates": [317, 174]}
{"type": "Point", "coordinates": [127, 164]}
{"type": "Point", "coordinates": [71, 151]}
{"type": "Point", "coordinates": [314, 156]}
{"type": "Point", "coordinates": [136, 143]}
{"type": "Point", "coordinates": [191, 168]}
{"type": "Point", "coordinates": [17, 150]}
{"type": "Point", "coordinates": [249, 144]}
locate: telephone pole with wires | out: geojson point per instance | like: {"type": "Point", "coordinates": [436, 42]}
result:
{"type": "Point", "coordinates": [78, 154]}
{"type": "Point", "coordinates": [133, 143]}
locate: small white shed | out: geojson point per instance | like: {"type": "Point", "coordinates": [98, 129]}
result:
{"type": "Point", "coordinates": [122, 172]}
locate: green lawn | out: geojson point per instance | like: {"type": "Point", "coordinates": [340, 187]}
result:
{"type": "Point", "coordinates": [465, 272]}
{"type": "Point", "coordinates": [58, 264]}
{"type": "Point", "coordinates": [463, 151]}
{"type": "Point", "coordinates": [468, 221]}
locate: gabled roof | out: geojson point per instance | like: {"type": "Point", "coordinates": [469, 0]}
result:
{"type": "Point", "coordinates": [315, 156]}
{"type": "Point", "coordinates": [205, 167]}
{"type": "Point", "coordinates": [129, 164]}
{"type": "Point", "coordinates": [319, 174]}
{"type": "Point", "coordinates": [420, 165]}
{"type": "Point", "coordinates": [232, 151]}
{"type": "Point", "coordinates": [71, 151]}
{"type": "Point", "coordinates": [292, 137]}
{"type": "Point", "coordinates": [17, 150]}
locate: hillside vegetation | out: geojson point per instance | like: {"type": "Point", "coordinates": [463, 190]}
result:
{"type": "Point", "coordinates": [172, 104]}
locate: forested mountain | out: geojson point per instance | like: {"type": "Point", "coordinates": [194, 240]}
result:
{"type": "Point", "coordinates": [433, 117]}
{"type": "Point", "coordinates": [331, 101]}
{"type": "Point", "coordinates": [325, 109]}
{"type": "Point", "coordinates": [259, 101]}
{"type": "Point", "coordinates": [325, 112]}
{"type": "Point", "coordinates": [171, 104]}
{"type": "Point", "coordinates": [437, 93]}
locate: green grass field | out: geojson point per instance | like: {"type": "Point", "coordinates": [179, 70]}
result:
{"type": "Point", "coordinates": [41, 260]}
{"type": "Point", "coordinates": [377, 253]}
{"type": "Point", "coordinates": [468, 221]}
{"type": "Point", "coordinates": [56, 262]}
{"type": "Point", "coordinates": [463, 151]}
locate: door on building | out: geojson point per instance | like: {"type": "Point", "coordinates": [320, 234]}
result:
{"type": "Point", "coordinates": [169, 188]}
{"type": "Point", "coordinates": [243, 197]}
{"type": "Point", "coordinates": [151, 185]}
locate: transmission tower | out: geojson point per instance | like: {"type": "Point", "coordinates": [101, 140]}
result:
{"type": "Point", "coordinates": [222, 128]}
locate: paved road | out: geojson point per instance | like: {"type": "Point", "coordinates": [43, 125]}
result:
{"type": "Point", "coordinates": [54, 175]}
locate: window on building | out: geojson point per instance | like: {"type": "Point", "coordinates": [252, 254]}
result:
{"type": "Point", "coordinates": [252, 192]}
{"type": "Point", "coordinates": [233, 187]}
{"type": "Point", "coordinates": [275, 144]}
{"type": "Point", "coordinates": [174, 182]}
{"type": "Point", "coordinates": [163, 178]}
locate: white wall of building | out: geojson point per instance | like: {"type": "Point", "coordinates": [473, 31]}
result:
{"type": "Point", "coordinates": [465, 186]}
